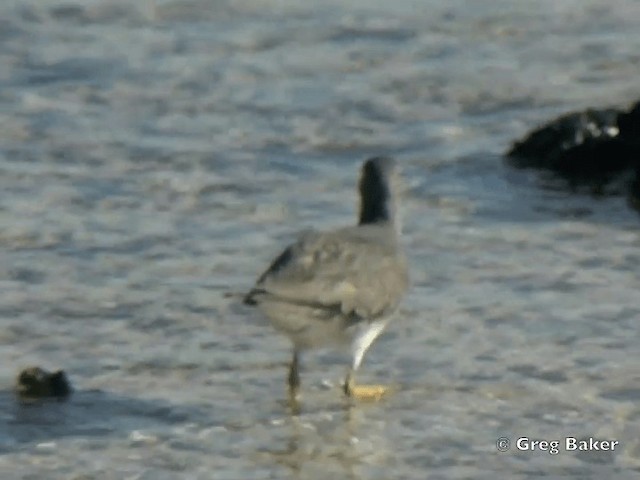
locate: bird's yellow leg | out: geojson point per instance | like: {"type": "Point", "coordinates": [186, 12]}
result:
{"type": "Point", "coordinates": [364, 392]}
{"type": "Point", "coordinates": [293, 380]}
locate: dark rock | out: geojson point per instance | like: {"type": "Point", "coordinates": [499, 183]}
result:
{"type": "Point", "coordinates": [550, 141]}
{"type": "Point", "coordinates": [35, 382]}
{"type": "Point", "coordinates": [629, 124]}
{"type": "Point", "coordinates": [634, 191]}
{"type": "Point", "coordinates": [592, 148]}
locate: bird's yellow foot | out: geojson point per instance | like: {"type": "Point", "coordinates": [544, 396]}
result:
{"type": "Point", "coordinates": [367, 392]}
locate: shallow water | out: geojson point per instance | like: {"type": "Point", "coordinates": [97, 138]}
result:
{"type": "Point", "coordinates": [155, 155]}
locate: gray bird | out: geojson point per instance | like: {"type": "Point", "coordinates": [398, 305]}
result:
{"type": "Point", "coordinates": [340, 287]}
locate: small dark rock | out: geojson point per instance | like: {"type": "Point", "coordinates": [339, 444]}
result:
{"type": "Point", "coordinates": [35, 382]}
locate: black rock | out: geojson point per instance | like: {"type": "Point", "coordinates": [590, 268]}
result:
{"type": "Point", "coordinates": [629, 124]}
{"type": "Point", "coordinates": [592, 148]}
{"type": "Point", "coordinates": [35, 382]}
{"type": "Point", "coordinates": [583, 147]}
{"type": "Point", "coordinates": [634, 191]}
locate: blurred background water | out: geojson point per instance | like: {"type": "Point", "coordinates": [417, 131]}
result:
{"type": "Point", "coordinates": [154, 155]}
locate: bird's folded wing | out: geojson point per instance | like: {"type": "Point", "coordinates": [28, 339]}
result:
{"type": "Point", "coordinates": [351, 272]}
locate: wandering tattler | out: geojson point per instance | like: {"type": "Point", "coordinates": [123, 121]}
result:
{"type": "Point", "coordinates": [340, 287]}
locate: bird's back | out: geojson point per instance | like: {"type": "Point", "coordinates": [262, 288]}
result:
{"type": "Point", "coordinates": [357, 270]}
{"type": "Point", "coordinates": [327, 282]}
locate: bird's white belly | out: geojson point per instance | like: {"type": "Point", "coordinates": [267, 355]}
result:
{"type": "Point", "coordinates": [308, 327]}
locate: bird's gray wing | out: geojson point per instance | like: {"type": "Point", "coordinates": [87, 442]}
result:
{"type": "Point", "coordinates": [353, 269]}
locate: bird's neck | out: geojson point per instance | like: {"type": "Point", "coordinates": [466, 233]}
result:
{"type": "Point", "coordinates": [376, 209]}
